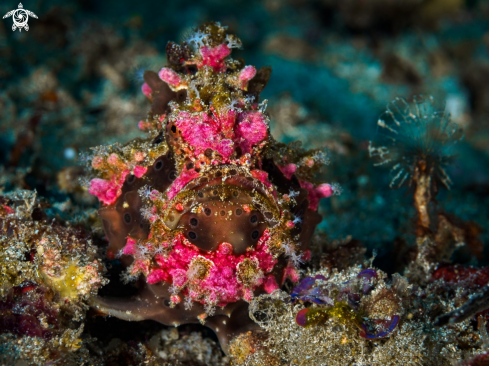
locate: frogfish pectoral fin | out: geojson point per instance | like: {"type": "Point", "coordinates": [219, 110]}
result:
{"type": "Point", "coordinates": [146, 306]}
{"type": "Point", "coordinates": [124, 308]}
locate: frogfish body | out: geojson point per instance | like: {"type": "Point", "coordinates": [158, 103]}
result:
{"type": "Point", "coordinates": [209, 210]}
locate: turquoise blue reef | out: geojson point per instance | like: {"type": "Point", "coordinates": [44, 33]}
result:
{"type": "Point", "coordinates": [297, 182]}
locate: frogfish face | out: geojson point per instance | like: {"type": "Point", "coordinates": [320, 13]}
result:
{"type": "Point", "coordinates": [209, 210]}
{"type": "Point", "coordinates": [225, 206]}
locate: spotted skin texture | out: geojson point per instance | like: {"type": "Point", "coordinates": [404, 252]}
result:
{"type": "Point", "coordinates": [201, 212]}
{"type": "Point", "coordinates": [119, 221]}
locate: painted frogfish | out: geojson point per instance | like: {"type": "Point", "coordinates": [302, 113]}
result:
{"type": "Point", "coordinates": [209, 210]}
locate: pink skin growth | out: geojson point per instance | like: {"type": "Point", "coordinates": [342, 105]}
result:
{"type": "Point", "coordinates": [146, 91]}
{"type": "Point", "coordinates": [181, 181]}
{"type": "Point", "coordinates": [139, 171]}
{"type": "Point", "coordinates": [214, 57]}
{"type": "Point", "coordinates": [221, 285]}
{"type": "Point", "coordinates": [170, 77]}
{"type": "Point", "coordinates": [262, 176]}
{"type": "Point", "coordinates": [220, 133]}
{"type": "Point", "coordinates": [246, 75]}
{"type": "Point", "coordinates": [130, 248]}
{"type": "Point", "coordinates": [251, 129]}
{"type": "Point", "coordinates": [288, 170]}
{"type": "Point", "coordinates": [316, 193]}
{"type": "Point", "coordinates": [107, 191]}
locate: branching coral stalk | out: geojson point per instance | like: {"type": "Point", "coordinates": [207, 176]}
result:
{"type": "Point", "coordinates": [417, 144]}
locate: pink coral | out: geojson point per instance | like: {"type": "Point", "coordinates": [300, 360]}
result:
{"type": "Point", "coordinates": [143, 125]}
{"type": "Point", "coordinates": [247, 73]}
{"type": "Point", "coordinates": [140, 266]}
{"type": "Point", "coordinates": [113, 159]}
{"type": "Point", "coordinates": [291, 273]}
{"type": "Point", "coordinates": [157, 275]}
{"type": "Point", "coordinates": [225, 147]}
{"type": "Point", "coordinates": [198, 130]}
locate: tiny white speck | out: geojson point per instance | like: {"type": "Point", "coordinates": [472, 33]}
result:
{"type": "Point", "coordinates": [69, 153]}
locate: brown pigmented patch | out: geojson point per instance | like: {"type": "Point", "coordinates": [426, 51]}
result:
{"type": "Point", "coordinates": [161, 92]}
{"type": "Point", "coordinates": [212, 230]}
{"type": "Point", "coordinates": [123, 218]}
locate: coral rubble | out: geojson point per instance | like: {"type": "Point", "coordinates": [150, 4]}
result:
{"type": "Point", "coordinates": [48, 271]}
{"type": "Point", "coordinates": [374, 321]}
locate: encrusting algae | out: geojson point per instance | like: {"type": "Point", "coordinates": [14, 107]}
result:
{"type": "Point", "coordinates": [48, 271]}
